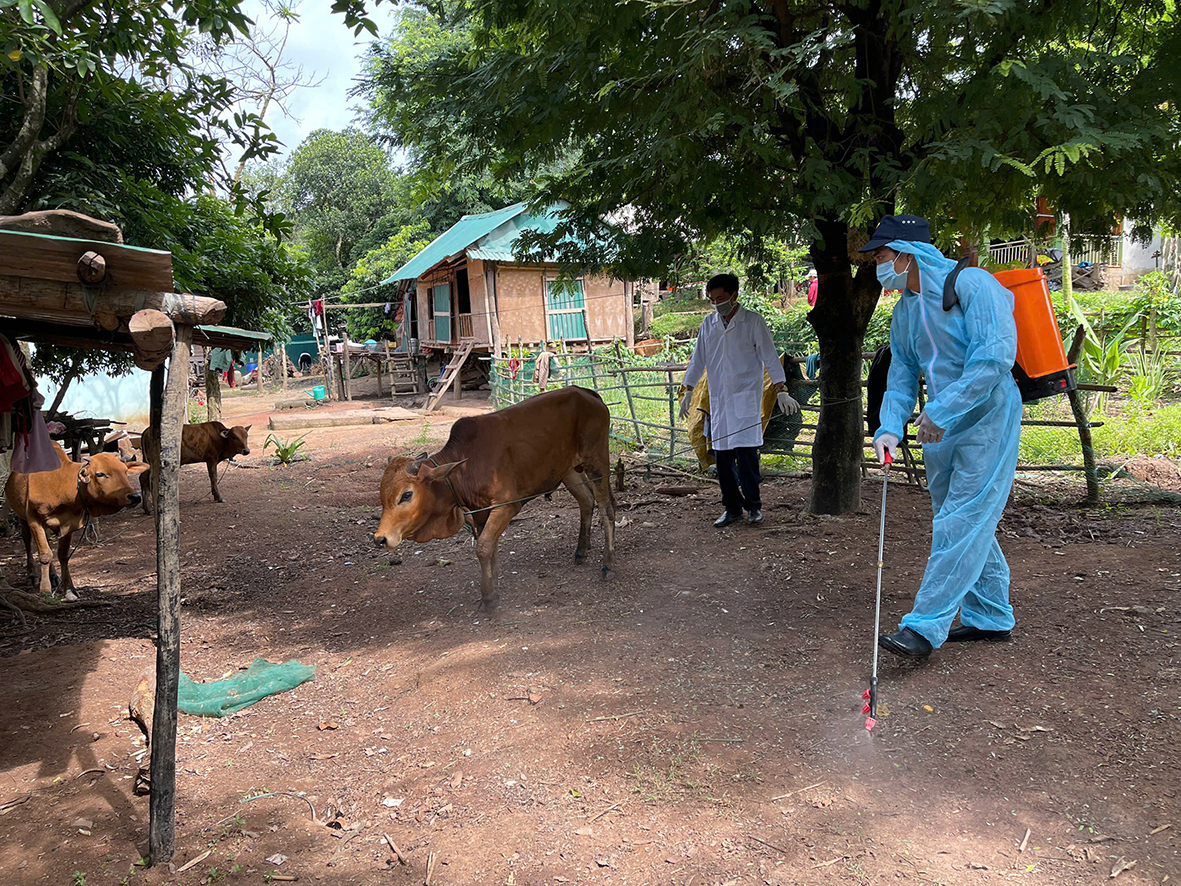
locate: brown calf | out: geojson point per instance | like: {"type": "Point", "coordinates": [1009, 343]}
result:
{"type": "Point", "coordinates": [492, 464]}
{"type": "Point", "coordinates": [209, 442]}
{"type": "Point", "coordinates": [64, 501]}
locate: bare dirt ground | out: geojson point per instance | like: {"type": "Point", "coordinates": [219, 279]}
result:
{"type": "Point", "coordinates": [694, 722]}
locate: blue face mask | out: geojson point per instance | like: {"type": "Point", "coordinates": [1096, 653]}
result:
{"type": "Point", "coordinates": [891, 279]}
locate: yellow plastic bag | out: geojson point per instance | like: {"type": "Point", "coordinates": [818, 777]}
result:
{"type": "Point", "coordinates": [699, 406]}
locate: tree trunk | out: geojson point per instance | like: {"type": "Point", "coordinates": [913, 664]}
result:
{"type": "Point", "coordinates": [843, 308]}
{"type": "Point", "coordinates": [212, 395]}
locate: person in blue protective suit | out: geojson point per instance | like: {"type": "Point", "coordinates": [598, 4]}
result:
{"type": "Point", "coordinates": [969, 431]}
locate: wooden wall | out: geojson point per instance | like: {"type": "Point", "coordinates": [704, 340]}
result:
{"type": "Point", "coordinates": [520, 293]}
{"type": "Point", "coordinates": [520, 297]}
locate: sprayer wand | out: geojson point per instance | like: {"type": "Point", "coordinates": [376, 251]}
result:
{"type": "Point", "coordinates": [870, 708]}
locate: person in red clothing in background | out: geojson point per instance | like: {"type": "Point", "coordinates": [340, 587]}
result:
{"type": "Point", "coordinates": [813, 287]}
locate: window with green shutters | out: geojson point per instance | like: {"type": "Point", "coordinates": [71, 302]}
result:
{"type": "Point", "coordinates": [565, 307]}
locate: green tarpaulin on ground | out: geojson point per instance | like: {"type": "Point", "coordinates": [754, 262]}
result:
{"type": "Point", "coordinates": [220, 697]}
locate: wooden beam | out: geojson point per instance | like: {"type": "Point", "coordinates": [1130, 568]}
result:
{"type": "Point", "coordinates": [153, 335]}
{"type": "Point", "coordinates": [56, 258]}
{"type": "Point", "coordinates": [47, 333]}
{"type": "Point", "coordinates": [109, 306]}
{"type": "Point", "coordinates": [168, 418]}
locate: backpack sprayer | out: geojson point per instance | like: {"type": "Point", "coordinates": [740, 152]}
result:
{"type": "Point", "coordinates": [1041, 369]}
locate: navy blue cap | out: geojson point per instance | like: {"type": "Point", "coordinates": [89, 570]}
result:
{"type": "Point", "coordinates": [899, 227]}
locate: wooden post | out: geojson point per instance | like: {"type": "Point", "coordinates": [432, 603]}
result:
{"type": "Point", "coordinates": [347, 374]}
{"type": "Point", "coordinates": [329, 374]}
{"type": "Point", "coordinates": [594, 372]}
{"type": "Point", "coordinates": [672, 415]}
{"type": "Point", "coordinates": [458, 384]}
{"type": "Point", "coordinates": [1084, 425]}
{"type": "Point", "coordinates": [212, 392]}
{"type": "Point", "coordinates": [258, 370]}
{"type": "Point", "coordinates": [168, 408]}
{"type": "Point", "coordinates": [283, 364]}
{"type": "Point", "coordinates": [631, 405]}
{"type": "Point", "coordinates": [382, 366]}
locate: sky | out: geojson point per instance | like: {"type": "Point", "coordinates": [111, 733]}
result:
{"type": "Point", "coordinates": [328, 52]}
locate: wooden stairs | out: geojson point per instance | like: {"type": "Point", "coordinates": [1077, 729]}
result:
{"type": "Point", "coordinates": [449, 374]}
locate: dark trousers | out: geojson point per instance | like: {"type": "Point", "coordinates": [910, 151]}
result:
{"type": "Point", "coordinates": [738, 475]}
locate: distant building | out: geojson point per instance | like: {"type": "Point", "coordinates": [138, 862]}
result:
{"type": "Point", "coordinates": [469, 286]}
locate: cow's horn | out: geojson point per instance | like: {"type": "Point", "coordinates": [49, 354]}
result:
{"type": "Point", "coordinates": [412, 468]}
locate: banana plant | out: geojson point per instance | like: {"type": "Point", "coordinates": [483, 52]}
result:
{"type": "Point", "coordinates": [1103, 357]}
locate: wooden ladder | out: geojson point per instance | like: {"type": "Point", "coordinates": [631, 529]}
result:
{"type": "Point", "coordinates": [447, 376]}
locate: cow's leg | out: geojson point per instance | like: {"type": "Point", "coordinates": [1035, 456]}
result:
{"type": "Point", "coordinates": [44, 555]}
{"type": "Point", "coordinates": [212, 465]}
{"type": "Point", "coordinates": [600, 465]}
{"type": "Point", "coordinates": [63, 558]}
{"type": "Point", "coordinates": [32, 568]}
{"type": "Point", "coordinates": [579, 485]}
{"type": "Point", "coordinates": [145, 490]}
{"type": "Point", "coordinates": [487, 552]}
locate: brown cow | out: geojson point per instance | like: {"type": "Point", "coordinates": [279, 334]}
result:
{"type": "Point", "coordinates": [209, 442]}
{"type": "Point", "coordinates": [64, 501]}
{"type": "Point", "coordinates": [492, 464]}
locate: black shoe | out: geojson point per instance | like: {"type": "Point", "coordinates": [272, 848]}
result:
{"type": "Point", "coordinates": [906, 642]}
{"type": "Point", "coordinates": [963, 633]}
{"type": "Point", "coordinates": [727, 518]}
{"type": "Point", "coordinates": [755, 516]}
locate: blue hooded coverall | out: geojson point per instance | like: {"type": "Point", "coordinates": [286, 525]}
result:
{"type": "Point", "coordinates": [966, 355]}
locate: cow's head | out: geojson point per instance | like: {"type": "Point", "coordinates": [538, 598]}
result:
{"type": "Point", "coordinates": [233, 441]}
{"type": "Point", "coordinates": [416, 502]}
{"type": "Point", "coordinates": [105, 482]}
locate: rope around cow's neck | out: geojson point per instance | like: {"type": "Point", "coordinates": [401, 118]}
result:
{"type": "Point", "coordinates": [469, 521]}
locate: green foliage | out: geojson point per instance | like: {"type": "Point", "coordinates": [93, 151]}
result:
{"type": "Point", "coordinates": [286, 451]}
{"type": "Point", "coordinates": [1151, 375]}
{"type": "Point", "coordinates": [1155, 433]}
{"type": "Point", "coordinates": [364, 284]}
{"type": "Point", "coordinates": [1103, 355]}
{"type": "Point", "coordinates": [678, 325]}
{"type": "Point", "coordinates": [704, 120]}
{"type": "Point", "coordinates": [338, 184]}
{"type": "Point", "coordinates": [93, 88]}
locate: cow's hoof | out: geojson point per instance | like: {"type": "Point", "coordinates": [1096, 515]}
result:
{"type": "Point", "coordinates": [579, 559]}
{"type": "Point", "coordinates": [606, 572]}
{"type": "Point", "coordinates": [488, 604]}
{"type": "Point", "coordinates": [70, 596]}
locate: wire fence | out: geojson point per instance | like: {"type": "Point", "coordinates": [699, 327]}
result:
{"type": "Point", "coordinates": [644, 400]}
{"type": "Point", "coordinates": [643, 396]}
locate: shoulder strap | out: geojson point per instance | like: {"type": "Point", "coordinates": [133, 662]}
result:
{"type": "Point", "coordinates": [950, 298]}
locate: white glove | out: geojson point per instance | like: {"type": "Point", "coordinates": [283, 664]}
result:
{"type": "Point", "coordinates": [686, 398]}
{"type": "Point", "coordinates": [883, 444]}
{"type": "Point", "coordinates": [787, 403]}
{"type": "Point", "coordinates": [927, 431]}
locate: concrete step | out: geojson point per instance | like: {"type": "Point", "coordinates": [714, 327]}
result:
{"type": "Point", "coordinates": [340, 418]}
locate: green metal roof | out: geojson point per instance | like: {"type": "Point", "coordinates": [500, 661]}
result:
{"type": "Point", "coordinates": [228, 337]}
{"type": "Point", "coordinates": [455, 240]}
{"type": "Point", "coordinates": [489, 236]}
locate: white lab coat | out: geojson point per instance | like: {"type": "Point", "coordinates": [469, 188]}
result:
{"type": "Point", "coordinates": [735, 356]}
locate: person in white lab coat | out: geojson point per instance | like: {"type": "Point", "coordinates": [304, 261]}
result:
{"type": "Point", "coordinates": [734, 346]}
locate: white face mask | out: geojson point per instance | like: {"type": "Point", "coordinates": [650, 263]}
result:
{"type": "Point", "coordinates": [891, 279]}
{"type": "Point", "coordinates": [724, 308]}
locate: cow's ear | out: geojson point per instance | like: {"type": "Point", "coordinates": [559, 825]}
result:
{"type": "Point", "coordinates": [431, 473]}
{"type": "Point", "coordinates": [137, 467]}
{"type": "Point", "coordinates": [84, 472]}
{"type": "Point", "coordinates": [414, 466]}
{"type": "Point", "coordinates": [225, 432]}
{"type": "Point", "coordinates": [247, 428]}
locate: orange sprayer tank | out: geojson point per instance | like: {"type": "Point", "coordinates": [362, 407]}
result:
{"type": "Point", "coordinates": [1042, 369]}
